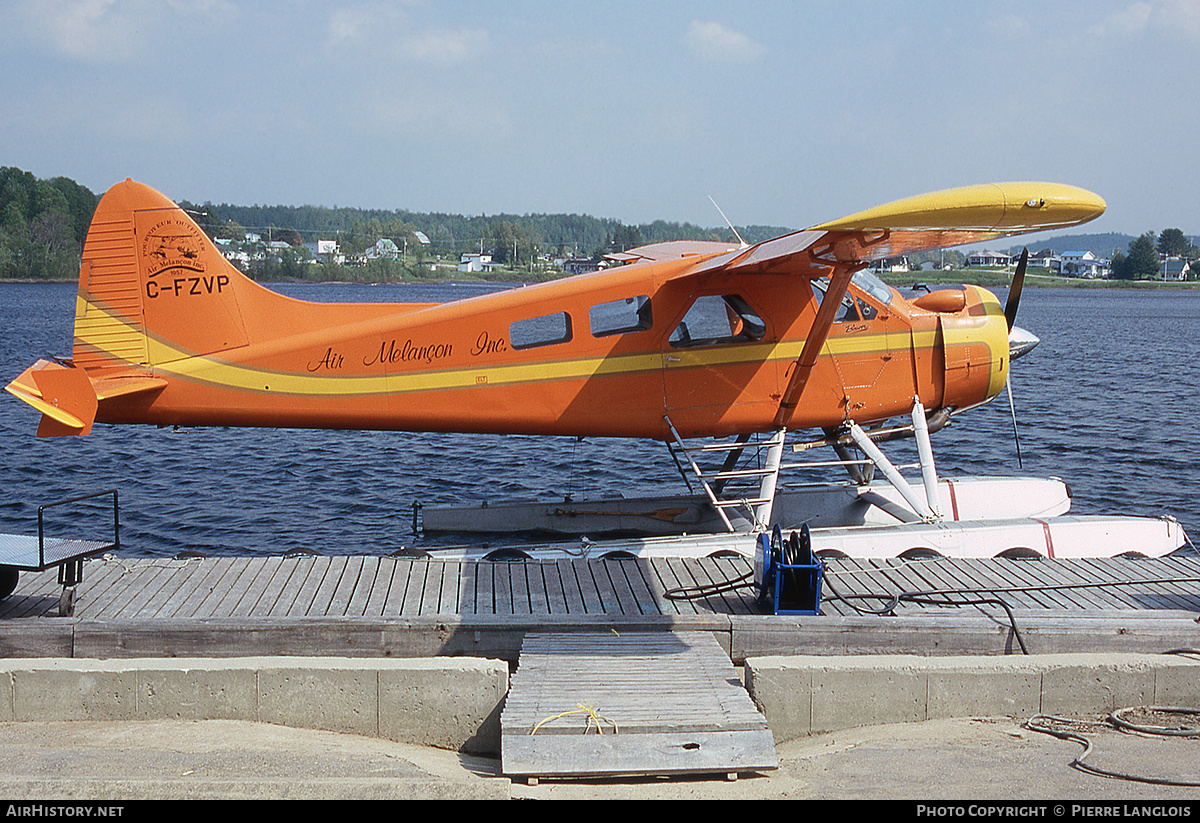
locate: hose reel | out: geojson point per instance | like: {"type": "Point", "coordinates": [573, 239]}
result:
{"type": "Point", "coordinates": [787, 574]}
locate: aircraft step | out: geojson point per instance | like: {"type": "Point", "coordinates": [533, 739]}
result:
{"type": "Point", "coordinates": [587, 704]}
{"type": "Point", "coordinates": [747, 501]}
{"type": "Point", "coordinates": [729, 446]}
{"type": "Point", "coordinates": [736, 473]}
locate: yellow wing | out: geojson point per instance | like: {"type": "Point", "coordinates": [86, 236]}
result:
{"type": "Point", "coordinates": [971, 214]}
{"type": "Point", "coordinates": [942, 219]}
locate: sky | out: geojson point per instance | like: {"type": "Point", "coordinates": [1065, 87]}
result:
{"type": "Point", "coordinates": [783, 113]}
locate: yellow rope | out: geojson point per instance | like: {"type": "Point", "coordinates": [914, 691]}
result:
{"type": "Point", "coordinates": [593, 716]}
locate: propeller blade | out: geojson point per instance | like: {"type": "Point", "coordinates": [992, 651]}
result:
{"type": "Point", "coordinates": [1014, 291]}
{"type": "Point", "coordinates": [1020, 343]}
{"type": "Point", "coordinates": [1013, 408]}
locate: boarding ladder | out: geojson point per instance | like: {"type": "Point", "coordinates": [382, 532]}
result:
{"type": "Point", "coordinates": [732, 485]}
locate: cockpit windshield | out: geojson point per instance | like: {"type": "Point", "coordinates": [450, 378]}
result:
{"type": "Point", "coordinates": [873, 286]}
{"type": "Point", "coordinates": [863, 280]}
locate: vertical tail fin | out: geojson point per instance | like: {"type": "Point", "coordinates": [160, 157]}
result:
{"type": "Point", "coordinates": [152, 286]}
{"type": "Point", "coordinates": [152, 289]}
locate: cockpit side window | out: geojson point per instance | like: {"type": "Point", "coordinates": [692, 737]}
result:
{"type": "Point", "coordinates": [718, 320]}
{"type": "Point", "coordinates": [847, 312]}
{"type": "Point", "coordinates": [620, 316]}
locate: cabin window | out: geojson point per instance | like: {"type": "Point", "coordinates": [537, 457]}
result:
{"type": "Point", "coordinates": [718, 319]}
{"type": "Point", "coordinates": [540, 331]}
{"type": "Point", "coordinates": [620, 316]}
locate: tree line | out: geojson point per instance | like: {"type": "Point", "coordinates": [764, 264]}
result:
{"type": "Point", "coordinates": [1143, 259]}
{"type": "Point", "coordinates": [43, 224]}
{"type": "Point", "coordinates": [520, 242]}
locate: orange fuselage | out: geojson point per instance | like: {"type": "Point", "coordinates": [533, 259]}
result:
{"type": "Point", "coordinates": [167, 332]}
{"type": "Point", "coordinates": [531, 360]}
{"type": "Point", "coordinates": [454, 367]}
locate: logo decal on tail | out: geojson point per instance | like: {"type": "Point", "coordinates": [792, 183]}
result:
{"type": "Point", "coordinates": [172, 244]}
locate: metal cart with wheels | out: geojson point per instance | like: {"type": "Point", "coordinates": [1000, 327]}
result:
{"type": "Point", "coordinates": [20, 553]}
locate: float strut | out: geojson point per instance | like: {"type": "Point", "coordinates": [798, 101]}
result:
{"type": "Point", "coordinates": [890, 472]}
{"type": "Point", "coordinates": [925, 450]}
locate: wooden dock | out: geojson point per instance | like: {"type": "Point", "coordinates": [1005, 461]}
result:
{"type": "Point", "coordinates": [378, 606]}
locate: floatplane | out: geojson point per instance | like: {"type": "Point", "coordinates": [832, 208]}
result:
{"type": "Point", "coordinates": [718, 350]}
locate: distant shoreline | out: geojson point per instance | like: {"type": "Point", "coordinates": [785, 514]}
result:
{"type": "Point", "coordinates": [987, 278]}
{"type": "Point", "coordinates": [990, 278]}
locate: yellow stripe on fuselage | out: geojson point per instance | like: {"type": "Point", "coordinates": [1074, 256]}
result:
{"type": "Point", "coordinates": [220, 372]}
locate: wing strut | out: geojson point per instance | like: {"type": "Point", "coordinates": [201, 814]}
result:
{"type": "Point", "coordinates": [839, 280]}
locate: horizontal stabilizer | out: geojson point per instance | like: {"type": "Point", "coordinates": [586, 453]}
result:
{"type": "Point", "coordinates": [68, 398]}
{"type": "Point", "coordinates": [126, 386]}
{"type": "Point", "coordinates": [64, 396]}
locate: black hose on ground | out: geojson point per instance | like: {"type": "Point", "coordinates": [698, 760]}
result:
{"type": "Point", "coordinates": [1038, 723]}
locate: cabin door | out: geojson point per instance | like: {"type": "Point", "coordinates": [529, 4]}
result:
{"type": "Point", "coordinates": [716, 367]}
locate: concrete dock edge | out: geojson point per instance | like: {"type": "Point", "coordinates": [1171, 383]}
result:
{"type": "Point", "coordinates": [448, 703]}
{"type": "Point", "coordinates": [454, 703]}
{"type": "Point", "coordinates": [804, 695]}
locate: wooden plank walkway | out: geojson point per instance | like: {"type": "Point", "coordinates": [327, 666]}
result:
{"type": "Point", "coordinates": [1069, 586]}
{"type": "Point", "coordinates": [358, 586]}
{"type": "Point", "coordinates": [608, 703]}
{"type": "Point", "coordinates": [376, 605]}
{"type": "Point", "coordinates": [355, 586]}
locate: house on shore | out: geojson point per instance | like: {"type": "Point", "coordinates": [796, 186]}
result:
{"type": "Point", "coordinates": [579, 265]}
{"type": "Point", "coordinates": [1083, 264]}
{"type": "Point", "coordinates": [1176, 268]}
{"type": "Point", "coordinates": [474, 262]}
{"type": "Point", "coordinates": [988, 259]}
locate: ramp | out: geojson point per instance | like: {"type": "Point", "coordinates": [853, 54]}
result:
{"type": "Point", "coordinates": [588, 704]}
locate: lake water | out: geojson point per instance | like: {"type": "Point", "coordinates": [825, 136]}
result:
{"type": "Point", "coordinates": [1108, 402]}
